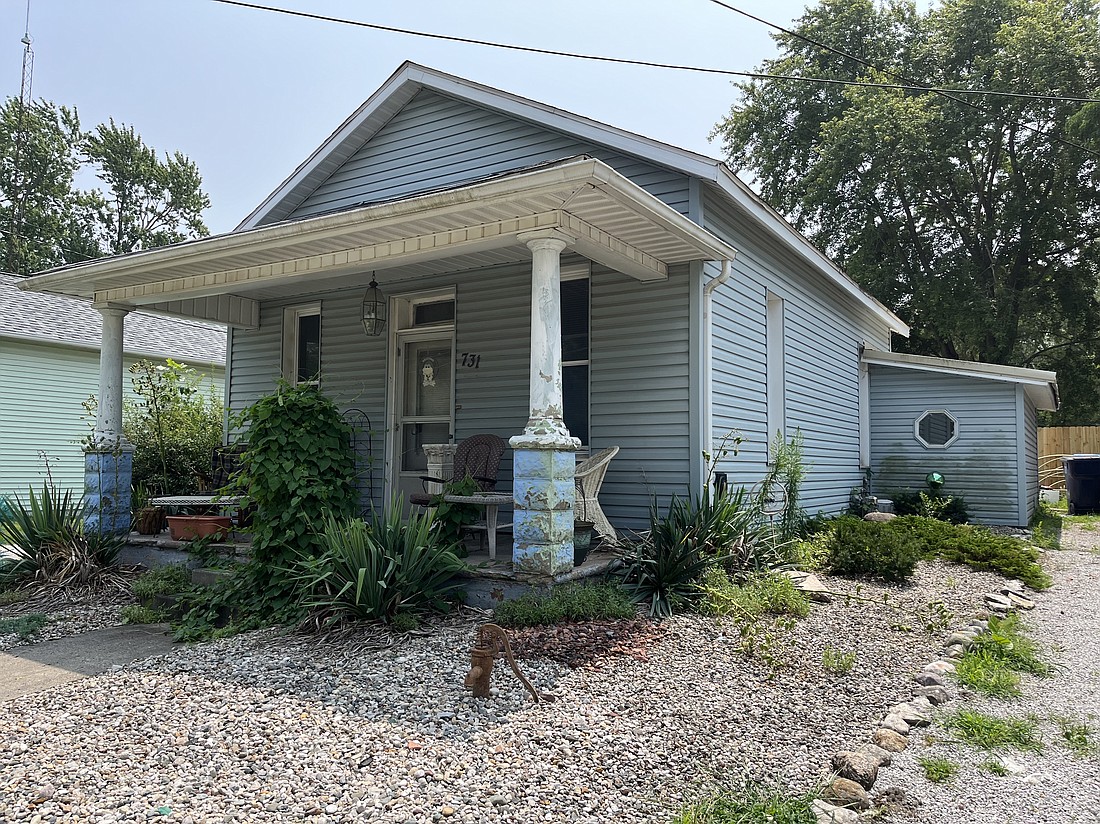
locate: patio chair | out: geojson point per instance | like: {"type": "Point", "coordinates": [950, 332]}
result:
{"type": "Point", "coordinates": [589, 475]}
{"type": "Point", "coordinates": [478, 457]}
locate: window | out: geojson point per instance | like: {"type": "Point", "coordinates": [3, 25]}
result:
{"type": "Point", "coordinates": [302, 344]}
{"type": "Point", "coordinates": [777, 368]}
{"type": "Point", "coordinates": [936, 429]}
{"type": "Point", "coordinates": [574, 353]}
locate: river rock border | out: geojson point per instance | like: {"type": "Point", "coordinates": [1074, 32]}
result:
{"type": "Point", "coordinates": [847, 799]}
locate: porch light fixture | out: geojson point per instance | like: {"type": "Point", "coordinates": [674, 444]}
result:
{"type": "Point", "coordinates": [374, 309]}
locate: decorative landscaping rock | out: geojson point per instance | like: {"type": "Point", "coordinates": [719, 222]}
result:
{"type": "Point", "coordinates": [826, 813]}
{"type": "Point", "coordinates": [878, 754]}
{"type": "Point", "coordinates": [929, 678]}
{"type": "Point", "coordinates": [1020, 601]}
{"type": "Point", "coordinates": [895, 723]}
{"type": "Point", "coordinates": [890, 740]}
{"type": "Point", "coordinates": [809, 585]}
{"type": "Point", "coordinates": [879, 516]}
{"type": "Point", "coordinates": [997, 602]}
{"type": "Point", "coordinates": [955, 651]}
{"type": "Point", "coordinates": [912, 714]}
{"type": "Point", "coordinates": [962, 638]}
{"type": "Point", "coordinates": [856, 766]}
{"type": "Point", "coordinates": [941, 667]}
{"type": "Point", "coordinates": [935, 694]}
{"type": "Point", "coordinates": [843, 792]}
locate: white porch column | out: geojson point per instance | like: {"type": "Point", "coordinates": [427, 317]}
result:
{"type": "Point", "coordinates": [108, 461]}
{"type": "Point", "coordinates": [544, 455]}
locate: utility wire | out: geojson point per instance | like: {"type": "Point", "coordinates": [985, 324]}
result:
{"type": "Point", "coordinates": [627, 61]}
{"type": "Point", "coordinates": [948, 94]}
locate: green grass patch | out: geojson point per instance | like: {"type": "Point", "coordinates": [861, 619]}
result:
{"type": "Point", "coordinates": [987, 674]}
{"type": "Point", "coordinates": [837, 662]}
{"type": "Point", "coordinates": [164, 580]}
{"type": "Point", "coordinates": [1046, 526]}
{"type": "Point", "coordinates": [992, 665]}
{"type": "Point", "coordinates": [13, 596]}
{"type": "Point", "coordinates": [24, 626]}
{"type": "Point", "coordinates": [1087, 523]}
{"type": "Point", "coordinates": [137, 614]}
{"type": "Point", "coordinates": [755, 804]}
{"type": "Point", "coordinates": [759, 595]}
{"type": "Point", "coordinates": [937, 770]}
{"type": "Point", "coordinates": [991, 733]}
{"type": "Point", "coordinates": [1077, 736]}
{"type": "Point", "coordinates": [995, 767]}
{"type": "Point", "coordinates": [580, 603]}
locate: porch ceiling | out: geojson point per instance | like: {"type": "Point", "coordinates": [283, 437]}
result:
{"type": "Point", "coordinates": [615, 223]}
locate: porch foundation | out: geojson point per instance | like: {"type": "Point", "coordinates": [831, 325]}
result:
{"type": "Point", "coordinates": [107, 478]}
{"type": "Point", "coordinates": [543, 492]}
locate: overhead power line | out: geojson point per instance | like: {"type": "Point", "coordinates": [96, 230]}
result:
{"type": "Point", "coordinates": [630, 62]}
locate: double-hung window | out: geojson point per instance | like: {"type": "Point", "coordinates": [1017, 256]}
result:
{"type": "Point", "coordinates": [302, 344]}
{"type": "Point", "coordinates": [575, 350]}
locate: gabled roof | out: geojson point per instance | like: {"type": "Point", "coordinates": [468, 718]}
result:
{"type": "Point", "coordinates": [1040, 385]}
{"type": "Point", "coordinates": [56, 319]}
{"type": "Point", "coordinates": [410, 78]}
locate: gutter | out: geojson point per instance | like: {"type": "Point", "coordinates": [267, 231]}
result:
{"type": "Point", "coordinates": [708, 352]}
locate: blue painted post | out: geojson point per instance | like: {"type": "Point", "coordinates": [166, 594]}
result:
{"type": "Point", "coordinates": [109, 460]}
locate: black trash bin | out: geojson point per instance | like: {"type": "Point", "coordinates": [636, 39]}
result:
{"type": "Point", "coordinates": [1082, 483]}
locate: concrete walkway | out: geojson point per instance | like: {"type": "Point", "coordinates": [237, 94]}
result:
{"type": "Point", "coordinates": [38, 667]}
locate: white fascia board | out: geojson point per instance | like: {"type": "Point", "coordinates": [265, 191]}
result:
{"type": "Point", "coordinates": [776, 225]}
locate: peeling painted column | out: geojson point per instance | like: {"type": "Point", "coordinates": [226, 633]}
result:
{"type": "Point", "coordinates": [108, 460]}
{"type": "Point", "coordinates": [544, 455]}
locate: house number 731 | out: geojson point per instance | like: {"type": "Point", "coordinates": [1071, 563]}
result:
{"type": "Point", "coordinates": [470, 360]}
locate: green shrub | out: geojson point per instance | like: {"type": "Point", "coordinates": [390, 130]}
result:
{"type": "Point", "coordinates": [174, 425]}
{"type": "Point", "coordinates": [577, 603]}
{"type": "Point", "coordinates": [867, 548]}
{"type": "Point", "coordinates": [759, 595]}
{"type": "Point", "coordinates": [137, 614]}
{"type": "Point", "coordinates": [378, 570]}
{"type": "Point", "coordinates": [949, 508]}
{"type": "Point", "coordinates": [48, 542]}
{"type": "Point", "coordinates": [24, 626]}
{"type": "Point", "coordinates": [166, 580]}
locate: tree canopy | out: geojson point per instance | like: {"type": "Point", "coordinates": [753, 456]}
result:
{"type": "Point", "coordinates": [975, 218]}
{"type": "Point", "coordinates": [47, 219]}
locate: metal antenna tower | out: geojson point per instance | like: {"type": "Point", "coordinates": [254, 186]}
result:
{"type": "Point", "coordinates": [15, 226]}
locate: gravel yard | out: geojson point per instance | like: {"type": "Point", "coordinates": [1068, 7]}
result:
{"type": "Point", "coordinates": [266, 727]}
{"type": "Point", "coordinates": [67, 616]}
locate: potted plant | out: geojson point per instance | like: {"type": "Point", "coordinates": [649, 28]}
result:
{"type": "Point", "coordinates": [148, 519]}
{"type": "Point", "coordinates": [193, 527]}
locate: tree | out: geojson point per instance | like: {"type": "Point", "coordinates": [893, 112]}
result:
{"type": "Point", "coordinates": [149, 202]}
{"type": "Point", "coordinates": [47, 220]}
{"type": "Point", "coordinates": [977, 219]}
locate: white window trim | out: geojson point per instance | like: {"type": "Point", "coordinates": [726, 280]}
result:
{"type": "Point", "coordinates": [916, 429]}
{"type": "Point", "coordinates": [776, 367]}
{"type": "Point", "coordinates": [291, 317]}
{"type": "Point", "coordinates": [582, 271]}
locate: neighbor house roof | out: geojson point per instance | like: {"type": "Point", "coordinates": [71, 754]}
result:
{"type": "Point", "coordinates": [66, 321]}
{"type": "Point", "coordinates": [1040, 385]}
{"type": "Point", "coordinates": [410, 78]}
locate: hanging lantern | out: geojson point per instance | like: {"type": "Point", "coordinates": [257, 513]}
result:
{"type": "Point", "coordinates": [374, 309]}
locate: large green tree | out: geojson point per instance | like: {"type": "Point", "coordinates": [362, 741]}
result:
{"type": "Point", "coordinates": [47, 219]}
{"type": "Point", "coordinates": [976, 218]}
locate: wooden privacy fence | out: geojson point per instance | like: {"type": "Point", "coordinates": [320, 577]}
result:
{"type": "Point", "coordinates": [1056, 441]}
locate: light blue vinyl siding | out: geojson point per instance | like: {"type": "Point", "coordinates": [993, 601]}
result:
{"type": "Point", "coordinates": [436, 142]}
{"type": "Point", "coordinates": [823, 332]}
{"type": "Point", "coordinates": [1031, 451]}
{"type": "Point", "coordinates": [981, 465]}
{"type": "Point", "coordinates": [42, 387]}
{"type": "Point", "coordinates": [639, 382]}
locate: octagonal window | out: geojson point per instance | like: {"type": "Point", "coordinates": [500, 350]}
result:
{"type": "Point", "coordinates": [936, 429]}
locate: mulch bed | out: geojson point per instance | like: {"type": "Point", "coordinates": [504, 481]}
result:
{"type": "Point", "coordinates": [587, 643]}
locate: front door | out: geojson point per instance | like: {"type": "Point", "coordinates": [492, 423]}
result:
{"type": "Point", "coordinates": [424, 410]}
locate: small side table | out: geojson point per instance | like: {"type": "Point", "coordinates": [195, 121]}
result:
{"type": "Point", "coordinates": [492, 501]}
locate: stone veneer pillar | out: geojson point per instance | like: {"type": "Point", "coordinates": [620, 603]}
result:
{"type": "Point", "coordinates": [108, 459]}
{"type": "Point", "coordinates": [544, 455]}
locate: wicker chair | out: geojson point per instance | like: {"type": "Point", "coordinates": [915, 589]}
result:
{"type": "Point", "coordinates": [478, 457]}
{"type": "Point", "coordinates": [589, 475]}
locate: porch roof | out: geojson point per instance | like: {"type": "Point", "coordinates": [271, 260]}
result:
{"type": "Point", "coordinates": [615, 223]}
{"type": "Point", "coordinates": [1041, 386]}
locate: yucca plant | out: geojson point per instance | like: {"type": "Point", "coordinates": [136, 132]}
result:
{"type": "Point", "coordinates": [375, 570]}
{"type": "Point", "coordinates": [48, 543]}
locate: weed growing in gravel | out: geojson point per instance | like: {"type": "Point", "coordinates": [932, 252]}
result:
{"type": "Point", "coordinates": [755, 804]}
{"type": "Point", "coordinates": [991, 733]}
{"type": "Point", "coordinates": [985, 673]}
{"type": "Point", "coordinates": [1046, 527]}
{"type": "Point", "coordinates": [13, 596]}
{"type": "Point", "coordinates": [937, 770]}
{"type": "Point", "coordinates": [1076, 736]}
{"type": "Point", "coordinates": [137, 614]}
{"type": "Point", "coordinates": [995, 767]}
{"type": "Point", "coordinates": [759, 595]}
{"type": "Point", "coordinates": [837, 662]}
{"type": "Point", "coordinates": [582, 603]}
{"type": "Point", "coordinates": [991, 665]}
{"type": "Point", "coordinates": [161, 581]}
{"type": "Point", "coordinates": [24, 626]}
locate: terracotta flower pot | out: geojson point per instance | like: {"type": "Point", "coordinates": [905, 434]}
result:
{"type": "Point", "coordinates": [192, 527]}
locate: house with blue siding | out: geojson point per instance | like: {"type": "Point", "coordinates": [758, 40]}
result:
{"type": "Point", "coordinates": [49, 366]}
{"type": "Point", "coordinates": [548, 278]}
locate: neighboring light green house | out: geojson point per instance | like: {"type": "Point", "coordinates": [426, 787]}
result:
{"type": "Point", "coordinates": [49, 365]}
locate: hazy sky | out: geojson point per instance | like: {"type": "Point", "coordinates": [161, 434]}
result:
{"type": "Point", "coordinates": [249, 94]}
